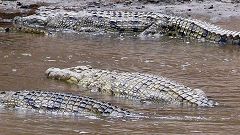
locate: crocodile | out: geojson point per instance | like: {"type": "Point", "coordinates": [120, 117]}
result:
{"type": "Point", "coordinates": [139, 86]}
{"type": "Point", "coordinates": [140, 23]}
{"type": "Point", "coordinates": [60, 103]}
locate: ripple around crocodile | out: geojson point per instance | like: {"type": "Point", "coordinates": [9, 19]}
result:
{"type": "Point", "coordinates": [144, 87]}
{"type": "Point", "coordinates": [140, 23]}
{"type": "Point", "coordinates": [60, 103]}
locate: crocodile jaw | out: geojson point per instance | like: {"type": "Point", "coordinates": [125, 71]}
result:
{"type": "Point", "coordinates": [31, 21]}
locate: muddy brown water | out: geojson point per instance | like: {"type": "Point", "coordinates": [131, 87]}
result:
{"type": "Point", "coordinates": [213, 68]}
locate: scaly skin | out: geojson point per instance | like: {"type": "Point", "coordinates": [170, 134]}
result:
{"type": "Point", "coordinates": [90, 21]}
{"type": "Point", "coordinates": [144, 87]}
{"type": "Point", "coordinates": [59, 103]}
{"type": "Point", "coordinates": [140, 23]}
{"type": "Point", "coordinates": [202, 30]}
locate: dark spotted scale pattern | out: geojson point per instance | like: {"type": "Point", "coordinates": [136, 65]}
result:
{"type": "Point", "coordinates": [140, 86]}
{"type": "Point", "coordinates": [59, 103]}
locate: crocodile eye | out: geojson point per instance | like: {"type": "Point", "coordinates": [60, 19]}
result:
{"type": "Point", "coordinates": [7, 29]}
{"type": "Point", "coordinates": [2, 92]}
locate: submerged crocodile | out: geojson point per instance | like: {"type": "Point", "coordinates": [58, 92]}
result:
{"type": "Point", "coordinates": [143, 87]}
{"type": "Point", "coordinates": [139, 23]}
{"type": "Point", "coordinates": [61, 103]}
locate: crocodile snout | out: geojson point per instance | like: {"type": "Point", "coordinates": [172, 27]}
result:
{"type": "Point", "coordinates": [30, 21]}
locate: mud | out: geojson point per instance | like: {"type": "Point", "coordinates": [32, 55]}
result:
{"type": "Point", "coordinates": [224, 13]}
{"type": "Point", "coordinates": [10, 9]}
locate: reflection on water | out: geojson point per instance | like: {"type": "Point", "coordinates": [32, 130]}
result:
{"type": "Point", "coordinates": [213, 68]}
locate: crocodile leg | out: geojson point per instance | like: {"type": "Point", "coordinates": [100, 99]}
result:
{"type": "Point", "coordinates": [59, 103]}
{"type": "Point", "coordinates": [158, 27]}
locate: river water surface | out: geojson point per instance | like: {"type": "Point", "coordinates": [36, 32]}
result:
{"type": "Point", "coordinates": [213, 68]}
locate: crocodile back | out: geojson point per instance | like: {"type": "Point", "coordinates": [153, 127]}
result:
{"type": "Point", "coordinates": [59, 102]}
{"type": "Point", "coordinates": [145, 87]}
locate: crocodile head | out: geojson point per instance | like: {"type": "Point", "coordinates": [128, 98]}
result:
{"type": "Point", "coordinates": [30, 21]}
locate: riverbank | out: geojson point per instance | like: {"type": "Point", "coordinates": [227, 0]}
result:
{"type": "Point", "coordinates": [224, 13]}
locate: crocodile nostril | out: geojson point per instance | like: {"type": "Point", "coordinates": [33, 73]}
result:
{"type": "Point", "coordinates": [7, 29]}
